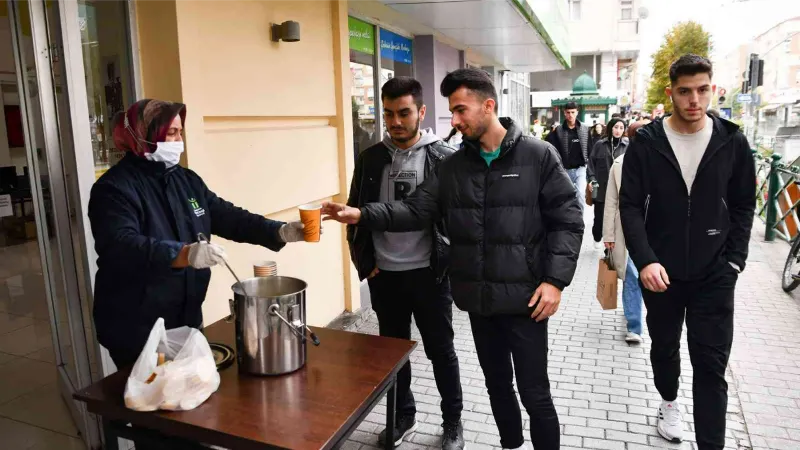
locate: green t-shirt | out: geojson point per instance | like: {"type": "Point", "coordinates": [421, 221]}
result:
{"type": "Point", "coordinates": [489, 157]}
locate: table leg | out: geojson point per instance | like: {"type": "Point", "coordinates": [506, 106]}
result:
{"type": "Point", "coordinates": [391, 399]}
{"type": "Point", "coordinates": [111, 438]}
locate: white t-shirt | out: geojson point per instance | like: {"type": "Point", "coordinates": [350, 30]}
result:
{"type": "Point", "coordinates": [689, 149]}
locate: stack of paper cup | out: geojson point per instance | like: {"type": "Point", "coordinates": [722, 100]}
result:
{"type": "Point", "coordinates": [265, 269]}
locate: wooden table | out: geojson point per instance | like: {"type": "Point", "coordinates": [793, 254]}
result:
{"type": "Point", "coordinates": [317, 407]}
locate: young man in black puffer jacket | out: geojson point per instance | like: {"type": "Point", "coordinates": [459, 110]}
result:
{"type": "Point", "coordinates": [515, 231]}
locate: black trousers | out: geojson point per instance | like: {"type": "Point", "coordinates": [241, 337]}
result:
{"type": "Point", "coordinates": [597, 226]}
{"type": "Point", "coordinates": [498, 341]}
{"type": "Point", "coordinates": [707, 305]}
{"type": "Point", "coordinates": [395, 297]}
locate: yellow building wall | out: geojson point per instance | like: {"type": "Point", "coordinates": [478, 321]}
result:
{"type": "Point", "coordinates": [267, 129]}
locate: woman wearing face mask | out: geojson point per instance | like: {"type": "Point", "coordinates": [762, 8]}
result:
{"type": "Point", "coordinates": [600, 159]}
{"type": "Point", "coordinates": [146, 213]}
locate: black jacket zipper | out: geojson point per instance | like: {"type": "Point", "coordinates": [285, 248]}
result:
{"type": "Point", "coordinates": [688, 231]}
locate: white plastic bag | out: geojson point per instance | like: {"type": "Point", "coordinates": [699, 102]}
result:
{"type": "Point", "coordinates": [185, 381]}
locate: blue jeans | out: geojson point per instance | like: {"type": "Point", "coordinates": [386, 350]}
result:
{"type": "Point", "coordinates": [578, 178]}
{"type": "Point", "coordinates": [632, 298]}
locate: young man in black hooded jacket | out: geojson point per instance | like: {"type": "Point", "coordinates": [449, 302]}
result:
{"type": "Point", "coordinates": [687, 203]}
{"type": "Point", "coordinates": [515, 230]}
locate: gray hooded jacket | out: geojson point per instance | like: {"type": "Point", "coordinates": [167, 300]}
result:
{"type": "Point", "coordinates": [410, 250]}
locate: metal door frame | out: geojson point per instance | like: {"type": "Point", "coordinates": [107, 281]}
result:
{"type": "Point", "coordinates": [42, 50]}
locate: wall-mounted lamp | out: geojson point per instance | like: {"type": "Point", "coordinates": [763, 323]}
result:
{"type": "Point", "coordinates": [288, 31]}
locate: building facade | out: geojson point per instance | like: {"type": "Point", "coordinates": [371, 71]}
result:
{"type": "Point", "coordinates": [776, 102]}
{"type": "Point", "coordinates": [604, 41]}
{"type": "Point", "coordinates": [270, 125]}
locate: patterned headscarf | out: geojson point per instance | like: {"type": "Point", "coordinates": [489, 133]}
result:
{"type": "Point", "coordinates": [145, 123]}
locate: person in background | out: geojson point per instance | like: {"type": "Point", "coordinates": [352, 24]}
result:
{"type": "Point", "coordinates": [406, 272]}
{"type": "Point", "coordinates": [538, 129]}
{"type": "Point", "coordinates": [687, 204]}
{"type": "Point", "coordinates": [571, 140]}
{"type": "Point", "coordinates": [454, 139]}
{"type": "Point", "coordinates": [598, 132]}
{"type": "Point", "coordinates": [515, 230]}
{"type": "Point", "coordinates": [614, 240]}
{"type": "Point", "coordinates": [601, 158]}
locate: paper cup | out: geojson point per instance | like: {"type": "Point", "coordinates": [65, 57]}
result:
{"type": "Point", "coordinates": [311, 216]}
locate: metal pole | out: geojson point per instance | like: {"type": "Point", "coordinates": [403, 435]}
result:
{"type": "Point", "coordinates": [772, 199]}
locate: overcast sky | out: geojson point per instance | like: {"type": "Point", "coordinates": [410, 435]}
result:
{"type": "Point", "coordinates": [730, 22]}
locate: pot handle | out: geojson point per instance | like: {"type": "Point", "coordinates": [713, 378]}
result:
{"type": "Point", "coordinates": [231, 317]}
{"type": "Point", "coordinates": [314, 337]}
{"type": "Point", "coordinates": [273, 309]}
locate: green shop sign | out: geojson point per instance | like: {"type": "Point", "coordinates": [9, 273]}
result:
{"type": "Point", "coordinates": [362, 36]}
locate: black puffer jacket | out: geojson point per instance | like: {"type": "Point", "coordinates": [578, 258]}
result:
{"type": "Point", "coordinates": [512, 225]}
{"type": "Point", "coordinates": [688, 234]}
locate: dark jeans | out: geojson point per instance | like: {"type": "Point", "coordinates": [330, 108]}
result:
{"type": "Point", "coordinates": [498, 340]}
{"type": "Point", "coordinates": [707, 305]}
{"type": "Point", "coordinates": [597, 226]}
{"type": "Point", "coordinates": [395, 297]}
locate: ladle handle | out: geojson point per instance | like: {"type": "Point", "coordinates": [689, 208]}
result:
{"type": "Point", "coordinates": [202, 238]}
{"type": "Point", "coordinates": [273, 309]}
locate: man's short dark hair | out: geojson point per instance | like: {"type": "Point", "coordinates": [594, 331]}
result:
{"type": "Point", "coordinates": [476, 80]}
{"type": "Point", "coordinates": [400, 87]}
{"type": "Point", "coordinates": [689, 64]}
{"type": "Point", "coordinates": [616, 115]}
{"type": "Point", "coordinates": [570, 105]}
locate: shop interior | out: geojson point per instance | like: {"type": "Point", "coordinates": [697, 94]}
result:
{"type": "Point", "coordinates": [37, 319]}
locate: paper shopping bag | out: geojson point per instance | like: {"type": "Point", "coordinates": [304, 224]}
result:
{"type": "Point", "coordinates": [607, 284]}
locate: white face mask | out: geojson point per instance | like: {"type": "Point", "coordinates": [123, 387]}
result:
{"type": "Point", "coordinates": [167, 152]}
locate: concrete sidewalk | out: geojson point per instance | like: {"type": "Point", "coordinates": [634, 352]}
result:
{"type": "Point", "coordinates": [603, 388]}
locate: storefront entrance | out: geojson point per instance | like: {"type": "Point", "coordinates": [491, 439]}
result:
{"type": "Point", "coordinates": [61, 81]}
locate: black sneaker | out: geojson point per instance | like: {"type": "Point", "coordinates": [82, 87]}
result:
{"type": "Point", "coordinates": [403, 427]}
{"type": "Point", "coordinates": [453, 436]}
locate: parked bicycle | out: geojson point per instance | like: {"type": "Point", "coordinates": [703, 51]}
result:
{"type": "Point", "coordinates": [791, 270]}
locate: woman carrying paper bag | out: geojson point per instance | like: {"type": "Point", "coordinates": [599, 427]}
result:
{"type": "Point", "coordinates": [615, 243]}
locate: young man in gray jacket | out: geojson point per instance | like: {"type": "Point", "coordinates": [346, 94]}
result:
{"type": "Point", "coordinates": [407, 271]}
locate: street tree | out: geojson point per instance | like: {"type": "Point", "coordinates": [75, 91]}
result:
{"type": "Point", "coordinates": [683, 38]}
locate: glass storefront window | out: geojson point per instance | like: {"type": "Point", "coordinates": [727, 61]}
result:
{"type": "Point", "coordinates": [109, 82]}
{"type": "Point", "coordinates": [362, 70]}
{"type": "Point", "coordinates": [396, 59]}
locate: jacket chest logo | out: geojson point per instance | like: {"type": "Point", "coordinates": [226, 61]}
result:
{"type": "Point", "coordinates": [198, 211]}
{"type": "Point", "coordinates": [510, 175]}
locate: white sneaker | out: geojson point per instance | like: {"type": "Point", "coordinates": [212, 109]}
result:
{"type": "Point", "coordinates": [670, 421]}
{"type": "Point", "coordinates": [633, 338]}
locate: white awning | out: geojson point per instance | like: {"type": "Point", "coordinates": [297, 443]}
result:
{"type": "Point", "coordinates": [507, 31]}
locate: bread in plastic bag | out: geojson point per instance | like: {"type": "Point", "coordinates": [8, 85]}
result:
{"type": "Point", "coordinates": [185, 381]}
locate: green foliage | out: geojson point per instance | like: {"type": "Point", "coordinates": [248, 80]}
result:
{"type": "Point", "coordinates": [685, 37]}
